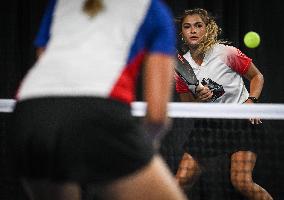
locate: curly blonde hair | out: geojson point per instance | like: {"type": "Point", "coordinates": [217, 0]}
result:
{"type": "Point", "coordinates": [92, 7]}
{"type": "Point", "coordinates": [212, 29]}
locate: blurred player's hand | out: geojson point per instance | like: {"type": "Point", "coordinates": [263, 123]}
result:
{"type": "Point", "coordinates": [156, 131]}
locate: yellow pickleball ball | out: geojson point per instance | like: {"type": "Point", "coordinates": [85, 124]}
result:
{"type": "Point", "coordinates": [252, 39]}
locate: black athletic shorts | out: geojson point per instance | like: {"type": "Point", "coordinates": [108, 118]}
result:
{"type": "Point", "coordinates": [82, 139]}
{"type": "Point", "coordinates": [214, 137]}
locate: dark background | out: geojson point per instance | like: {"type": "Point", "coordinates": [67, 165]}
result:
{"type": "Point", "coordinates": [20, 20]}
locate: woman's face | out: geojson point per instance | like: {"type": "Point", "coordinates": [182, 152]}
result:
{"type": "Point", "coordinates": [193, 30]}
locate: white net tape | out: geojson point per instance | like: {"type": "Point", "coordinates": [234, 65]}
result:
{"type": "Point", "coordinates": [198, 110]}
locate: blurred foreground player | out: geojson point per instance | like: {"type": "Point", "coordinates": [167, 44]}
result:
{"type": "Point", "coordinates": [72, 125]}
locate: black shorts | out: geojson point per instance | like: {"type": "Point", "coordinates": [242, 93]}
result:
{"type": "Point", "coordinates": [214, 137]}
{"type": "Point", "coordinates": [87, 140]}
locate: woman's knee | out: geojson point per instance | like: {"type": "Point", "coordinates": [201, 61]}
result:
{"type": "Point", "coordinates": [241, 181]}
{"type": "Point", "coordinates": [242, 165]}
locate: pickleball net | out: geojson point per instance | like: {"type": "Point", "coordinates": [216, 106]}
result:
{"type": "Point", "coordinates": [211, 134]}
{"type": "Point", "coordinates": [214, 134]}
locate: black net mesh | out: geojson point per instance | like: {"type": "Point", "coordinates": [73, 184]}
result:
{"type": "Point", "coordinates": [210, 142]}
{"type": "Point", "coordinates": [232, 157]}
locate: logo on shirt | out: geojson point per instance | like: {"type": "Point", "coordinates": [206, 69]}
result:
{"type": "Point", "coordinates": [216, 88]}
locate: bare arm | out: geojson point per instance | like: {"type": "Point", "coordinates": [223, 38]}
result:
{"type": "Point", "coordinates": [158, 86]}
{"type": "Point", "coordinates": [256, 84]}
{"type": "Point", "coordinates": [202, 95]}
{"type": "Point", "coordinates": [256, 81]}
{"type": "Point", "coordinates": [187, 97]}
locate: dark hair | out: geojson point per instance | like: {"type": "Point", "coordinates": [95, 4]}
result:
{"type": "Point", "coordinates": [92, 7]}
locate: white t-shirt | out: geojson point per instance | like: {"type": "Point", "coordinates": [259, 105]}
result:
{"type": "Point", "coordinates": [224, 65]}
